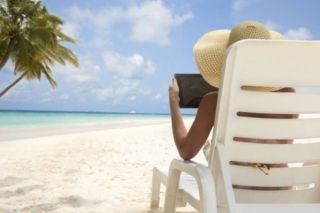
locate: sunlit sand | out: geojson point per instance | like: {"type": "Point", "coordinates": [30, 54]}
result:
{"type": "Point", "coordinates": [96, 171]}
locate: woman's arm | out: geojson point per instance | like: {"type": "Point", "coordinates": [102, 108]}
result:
{"type": "Point", "coordinates": [189, 143]}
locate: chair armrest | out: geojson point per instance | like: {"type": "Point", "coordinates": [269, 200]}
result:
{"type": "Point", "coordinates": [203, 177]}
{"type": "Point", "coordinates": [190, 167]}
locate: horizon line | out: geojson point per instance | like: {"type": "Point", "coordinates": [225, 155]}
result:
{"type": "Point", "coordinates": [97, 112]}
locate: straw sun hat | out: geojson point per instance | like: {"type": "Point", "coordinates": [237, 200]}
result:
{"type": "Point", "coordinates": [210, 50]}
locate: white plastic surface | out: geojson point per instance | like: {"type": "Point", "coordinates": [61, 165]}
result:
{"type": "Point", "coordinates": [269, 64]}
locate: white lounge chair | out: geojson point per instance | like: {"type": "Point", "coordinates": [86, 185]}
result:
{"type": "Point", "coordinates": [265, 174]}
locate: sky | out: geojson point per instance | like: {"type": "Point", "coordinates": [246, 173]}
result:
{"type": "Point", "coordinates": [129, 50]}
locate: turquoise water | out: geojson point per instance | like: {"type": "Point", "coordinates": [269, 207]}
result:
{"type": "Point", "coordinates": [27, 118]}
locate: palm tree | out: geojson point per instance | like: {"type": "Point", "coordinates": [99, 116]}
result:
{"type": "Point", "coordinates": [33, 39]}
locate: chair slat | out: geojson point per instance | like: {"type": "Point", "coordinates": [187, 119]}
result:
{"type": "Point", "coordinates": [273, 153]}
{"type": "Point", "coordinates": [273, 102]}
{"type": "Point", "coordinates": [278, 64]}
{"type": "Point", "coordinates": [266, 128]}
{"type": "Point", "coordinates": [277, 176]}
{"type": "Point", "coordinates": [294, 197]}
{"type": "Point", "coordinates": [278, 208]}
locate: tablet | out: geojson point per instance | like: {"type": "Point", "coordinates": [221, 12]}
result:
{"type": "Point", "coordinates": [192, 87]}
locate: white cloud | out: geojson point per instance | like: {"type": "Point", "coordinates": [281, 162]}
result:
{"type": "Point", "coordinates": [79, 14]}
{"type": "Point", "coordinates": [273, 26]}
{"type": "Point", "coordinates": [131, 66]}
{"type": "Point", "coordinates": [105, 18]}
{"type": "Point", "coordinates": [149, 21]}
{"type": "Point", "coordinates": [120, 89]}
{"type": "Point", "coordinates": [132, 98]}
{"type": "Point", "coordinates": [96, 24]}
{"type": "Point", "coordinates": [71, 29]}
{"type": "Point", "coordinates": [102, 93]}
{"type": "Point", "coordinates": [88, 70]}
{"type": "Point", "coordinates": [45, 100]}
{"type": "Point", "coordinates": [126, 87]}
{"type": "Point", "coordinates": [301, 33]}
{"type": "Point", "coordinates": [101, 19]}
{"type": "Point", "coordinates": [64, 97]}
{"type": "Point", "coordinates": [239, 5]}
{"type": "Point", "coordinates": [152, 22]}
{"type": "Point", "coordinates": [158, 96]}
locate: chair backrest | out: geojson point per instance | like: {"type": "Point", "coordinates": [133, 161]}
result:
{"type": "Point", "coordinates": [287, 149]}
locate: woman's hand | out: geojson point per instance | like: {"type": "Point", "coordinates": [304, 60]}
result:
{"type": "Point", "coordinates": [174, 91]}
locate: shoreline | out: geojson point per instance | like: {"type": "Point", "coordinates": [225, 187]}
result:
{"type": "Point", "coordinates": [34, 131]}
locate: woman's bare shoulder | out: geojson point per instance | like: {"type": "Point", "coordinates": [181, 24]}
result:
{"type": "Point", "coordinates": [207, 103]}
{"type": "Point", "coordinates": [210, 97]}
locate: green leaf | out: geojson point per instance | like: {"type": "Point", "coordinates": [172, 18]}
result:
{"type": "Point", "coordinates": [38, 39]}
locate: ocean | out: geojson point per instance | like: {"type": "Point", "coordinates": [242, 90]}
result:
{"type": "Point", "coordinates": [35, 118]}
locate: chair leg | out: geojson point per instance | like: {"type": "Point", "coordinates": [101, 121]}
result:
{"type": "Point", "coordinates": [155, 190]}
{"type": "Point", "coordinates": [171, 192]}
{"type": "Point", "coordinates": [180, 201]}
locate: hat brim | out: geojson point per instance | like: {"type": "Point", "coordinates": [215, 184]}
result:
{"type": "Point", "coordinates": [209, 53]}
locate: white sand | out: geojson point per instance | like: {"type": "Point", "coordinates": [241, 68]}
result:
{"type": "Point", "coordinates": [97, 171]}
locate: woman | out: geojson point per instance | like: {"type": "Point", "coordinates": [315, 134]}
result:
{"type": "Point", "coordinates": [190, 142]}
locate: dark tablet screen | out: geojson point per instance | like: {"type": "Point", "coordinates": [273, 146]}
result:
{"type": "Point", "coordinates": [192, 87]}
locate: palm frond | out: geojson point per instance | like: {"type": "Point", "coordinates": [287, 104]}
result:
{"type": "Point", "coordinates": [38, 39]}
{"type": "Point", "coordinates": [67, 55]}
{"type": "Point", "coordinates": [65, 38]}
{"type": "Point", "coordinates": [3, 48]}
{"type": "Point", "coordinates": [48, 73]}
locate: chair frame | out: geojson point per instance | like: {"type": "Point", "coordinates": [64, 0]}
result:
{"type": "Point", "coordinates": [214, 181]}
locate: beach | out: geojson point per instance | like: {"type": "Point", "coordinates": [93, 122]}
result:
{"type": "Point", "coordinates": [104, 168]}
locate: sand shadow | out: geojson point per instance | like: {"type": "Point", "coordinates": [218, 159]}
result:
{"type": "Point", "coordinates": [19, 191]}
{"type": "Point", "coordinates": [76, 201]}
{"type": "Point", "coordinates": [7, 210]}
{"type": "Point", "coordinates": [43, 207]}
{"type": "Point", "coordinates": [72, 201]}
{"type": "Point", "coordinates": [9, 181]}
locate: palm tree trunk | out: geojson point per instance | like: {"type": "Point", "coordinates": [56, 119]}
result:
{"type": "Point", "coordinates": [12, 84]}
{"type": "Point", "coordinates": [6, 56]}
